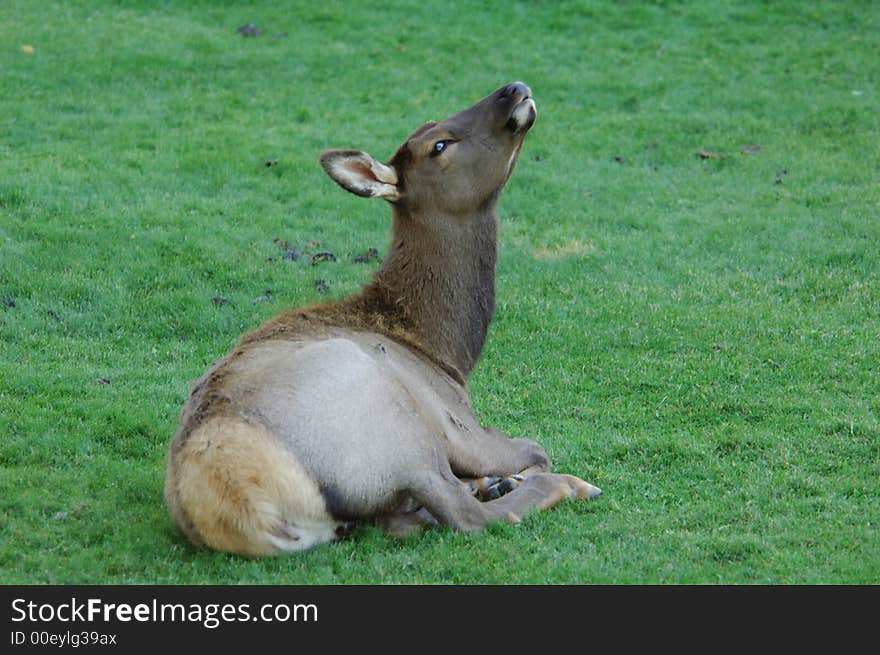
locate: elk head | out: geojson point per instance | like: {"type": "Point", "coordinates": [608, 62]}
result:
{"type": "Point", "coordinates": [449, 169]}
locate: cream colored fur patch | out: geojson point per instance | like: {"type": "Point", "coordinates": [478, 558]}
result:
{"type": "Point", "coordinates": [246, 494]}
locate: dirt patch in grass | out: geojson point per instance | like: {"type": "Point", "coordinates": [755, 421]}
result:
{"type": "Point", "coordinates": [571, 248]}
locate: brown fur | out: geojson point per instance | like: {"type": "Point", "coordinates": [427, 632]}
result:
{"type": "Point", "coordinates": [374, 310]}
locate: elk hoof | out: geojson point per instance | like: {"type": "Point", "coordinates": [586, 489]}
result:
{"type": "Point", "coordinates": [581, 489]}
{"type": "Point", "coordinates": [593, 491]}
{"type": "Point", "coordinates": [344, 530]}
{"type": "Point", "coordinates": [496, 487]}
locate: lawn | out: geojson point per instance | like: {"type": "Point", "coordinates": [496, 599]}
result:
{"type": "Point", "coordinates": [688, 285]}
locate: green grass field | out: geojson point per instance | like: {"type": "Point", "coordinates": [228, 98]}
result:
{"type": "Point", "coordinates": [698, 335]}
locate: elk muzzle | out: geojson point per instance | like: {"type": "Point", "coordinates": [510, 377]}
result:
{"type": "Point", "coordinates": [521, 106]}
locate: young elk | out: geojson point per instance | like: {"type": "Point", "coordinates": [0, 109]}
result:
{"type": "Point", "coordinates": [358, 410]}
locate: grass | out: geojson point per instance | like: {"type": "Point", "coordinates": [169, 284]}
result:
{"type": "Point", "coordinates": [698, 336]}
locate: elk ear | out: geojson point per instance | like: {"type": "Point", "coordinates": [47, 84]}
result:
{"type": "Point", "coordinates": [360, 173]}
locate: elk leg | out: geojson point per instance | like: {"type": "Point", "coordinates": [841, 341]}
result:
{"type": "Point", "coordinates": [541, 491]}
{"type": "Point", "coordinates": [482, 457]}
{"type": "Point", "coordinates": [404, 524]}
{"type": "Point", "coordinates": [492, 464]}
{"type": "Point", "coordinates": [451, 504]}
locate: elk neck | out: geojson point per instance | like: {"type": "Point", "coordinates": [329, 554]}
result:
{"type": "Point", "coordinates": [438, 281]}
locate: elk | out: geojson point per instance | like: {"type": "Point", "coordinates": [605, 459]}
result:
{"type": "Point", "coordinates": [344, 412]}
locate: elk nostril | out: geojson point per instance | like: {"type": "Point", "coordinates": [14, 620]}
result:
{"type": "Point", "coordinates": [509, 90]}
{"type": "Point", "coordinates": [513, 89]}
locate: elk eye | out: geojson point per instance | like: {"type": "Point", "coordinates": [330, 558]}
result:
{"type": "Point", "coordinates": [439, 147]}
